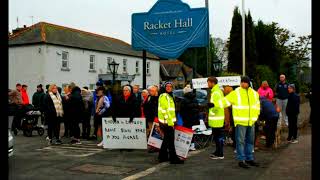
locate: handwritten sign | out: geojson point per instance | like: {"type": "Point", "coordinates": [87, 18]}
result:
{"type": "Point", "coordinates": [182, 137]}
{"type": "Point", "coordinates": [156, 136]}
{"type": "Point", "coordinates": [124, 135]}
{"type": "Point", "coordinates": [222, 81]}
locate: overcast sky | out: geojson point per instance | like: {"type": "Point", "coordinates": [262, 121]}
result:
{"type": "Point", "coordinates": [113, 17]}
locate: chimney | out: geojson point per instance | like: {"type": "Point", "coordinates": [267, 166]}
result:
{"type": "Point", "coordinates": [14, 31]}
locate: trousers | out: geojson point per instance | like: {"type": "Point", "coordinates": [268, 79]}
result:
{"type": "Point", "coordinates": [167, 144]}
{"type": "Point", "coordinates": [282, 103]}
{"type": "Point", "coordinates": [218, 134]}
{"type": "Point", "coordinates": [270, 130]}
{"type": "Point", "coordinates": [293, 127]}
{"type": "Point", "coordinates": [245, 142]}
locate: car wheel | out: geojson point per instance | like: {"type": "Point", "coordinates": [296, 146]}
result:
{"type": "Point", "coordinates": [40, 131]}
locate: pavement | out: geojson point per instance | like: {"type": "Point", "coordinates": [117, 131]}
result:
{"type": "Point", "coordinates": [34, 159]}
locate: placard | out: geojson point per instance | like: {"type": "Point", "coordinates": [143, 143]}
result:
{"type": "Point", "coordinates": [182, 143]}
{"type": "Point", "coordinates": [222, 81]}
{"type": "Point", "coordinates": [124, 135]}
{"type": "Point", "coordinates": [156, 136]}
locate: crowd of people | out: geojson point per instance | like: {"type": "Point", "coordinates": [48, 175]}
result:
{"type": "Point", "coordinates": [229, 112]}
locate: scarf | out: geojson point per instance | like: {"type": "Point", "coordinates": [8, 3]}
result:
{"type": "Point", "coordinates": [57, 102]}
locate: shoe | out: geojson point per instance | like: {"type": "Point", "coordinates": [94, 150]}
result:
{"type": "Point", "coordinates": [162, 160]}
{"type": "Point", "coordinates": [235, 151]}
{"type": "Point", "coordinates": [177, 161]}
{"type": "Point", "coordinates": [58, 142]}
{"type": "Point", "coordinates": [244, 165]}
{"type": "Point", "coordinates": [253, 163]}
{"type": "Point", "coordinates": [73, 141]}
{"type": "Point", "coordinates": [295, 141]}
{"type": "Point", "coordinates": [100, 144]}
{"type": "Point", "coordinates": [50, 142]}
{"type": "Point", "coordinates": [78, 142]}
{"type": "Point", "coordinates": [192, 147]}
{"type": "Point", "coordinates": [212, 156]}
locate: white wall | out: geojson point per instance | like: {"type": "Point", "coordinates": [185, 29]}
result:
{"type": "Point", "coordinates": [28, 66]}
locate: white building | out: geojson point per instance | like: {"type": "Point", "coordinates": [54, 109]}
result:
{"type": "Point", "coordinates": [46, 53]}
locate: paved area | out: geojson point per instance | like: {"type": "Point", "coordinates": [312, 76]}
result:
{"type": "Point", "coordinates": [34, 159]}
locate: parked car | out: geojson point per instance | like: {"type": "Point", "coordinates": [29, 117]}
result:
{"type": "Point", "coordinates": [201, 96]}
{"type": "Point", "coordinates": [10, 143]}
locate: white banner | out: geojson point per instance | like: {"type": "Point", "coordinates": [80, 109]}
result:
{"type": "Point", "coordinates": [124, 135]}
{"type": "Point", "coordinates": [222, 81]}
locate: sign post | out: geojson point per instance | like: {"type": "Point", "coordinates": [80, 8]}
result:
{"type": "Point", "coordinates": [169, 28]}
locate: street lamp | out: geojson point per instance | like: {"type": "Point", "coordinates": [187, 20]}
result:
{"type": "Point", "coordinates": [113, 67]}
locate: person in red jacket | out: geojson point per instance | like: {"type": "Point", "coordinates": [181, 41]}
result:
{"type": "Point", "coordinates": [24, 94]}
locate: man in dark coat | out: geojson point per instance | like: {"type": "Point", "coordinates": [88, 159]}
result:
{"type": "Point", "coordinates": [189, 109]}
{"type": "Point", "coordinates": [37, 97]}
{"type": "Point", "coordinates": [76, 109]}
{"type": "Point", "coordinates": [137, 94]}
{"type": "Point", "coordinates": [292, 110]}
{"type": "Point", "coordinates": [150, 107]}
{"type": "Point", "coordinates": [125, 105]}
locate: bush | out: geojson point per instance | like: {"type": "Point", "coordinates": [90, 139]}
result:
{"type": "Point", "coordinates": [264, 73]}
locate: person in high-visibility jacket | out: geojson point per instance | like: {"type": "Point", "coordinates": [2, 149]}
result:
{"type": "Point", "coordinates": [167, 119]}
{"type": "Point", "coordinates": [245, 110]}
{"type": "Point", "coordinates": [216, 116]}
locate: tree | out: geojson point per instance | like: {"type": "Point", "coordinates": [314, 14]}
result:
{"type": "Point", "coordinates": [251, 52]}
{"type": "Point", "coordinates": [235, 45]}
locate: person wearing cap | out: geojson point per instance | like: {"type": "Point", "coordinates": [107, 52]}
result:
{"type": "Point", "coordinates": [37, 97]}
{"type": "Point", "coordinates": [167, 120]}
{"type": "Point", "coordinates": [189, 111]}
{"type": "Point", "coordinates": [245, 110]}
{"type": "Point", "coordinates": [292, 110]}
{"type": "Point", "coordinates": [216, 116]}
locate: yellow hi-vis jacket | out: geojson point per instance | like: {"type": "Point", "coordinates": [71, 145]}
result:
{"type": "Point", "coordinates": [216, 113]}
{"type": "Point", "coordinates": [166, 109]}
{"type": "Point", "coordinates": [245, 106]}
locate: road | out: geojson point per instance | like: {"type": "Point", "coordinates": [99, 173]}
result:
{"type": "Point", "coordinates": [34, 159]}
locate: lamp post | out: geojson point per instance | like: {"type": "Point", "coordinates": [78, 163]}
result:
{"type": "Point", "coordinates": [113, 67]}
{"type": "Point", "coordinates": [243, 40]}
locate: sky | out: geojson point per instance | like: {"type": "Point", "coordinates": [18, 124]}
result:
{"type": "Point", "coordinates": [113, 17]}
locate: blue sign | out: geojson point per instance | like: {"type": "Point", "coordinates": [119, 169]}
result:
{"type": "Point", "coordinates": [169, 28]}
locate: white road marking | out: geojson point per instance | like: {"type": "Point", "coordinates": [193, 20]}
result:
{"type": "Point", "coordinates": [157, 167]}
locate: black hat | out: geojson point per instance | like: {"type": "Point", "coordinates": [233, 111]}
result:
{"type": "Point", "coordinates": [245, 79]}
{"type": "Point", "coordinates": [99, 83]}
{"type": "Point", "coordinates": [39, 86]}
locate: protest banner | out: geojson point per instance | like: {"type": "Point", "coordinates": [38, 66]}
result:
{"type": "Point", "coordinates": [182, 137]}
{"type": "Point", "coordinates": [222, 81]}
{"type": "Point", "coordinates": [155, 137]}
{"type": "Point", "coordinates": [122, 134]}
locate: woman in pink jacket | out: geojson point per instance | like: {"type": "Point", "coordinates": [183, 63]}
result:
{"type": "Point", "coordinates": [265, 90]}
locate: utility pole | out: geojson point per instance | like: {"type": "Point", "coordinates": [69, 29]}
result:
{"type": "Point", "coordinates": [208, 48]}
{"type": "Point", "coordinates": [243, 40]}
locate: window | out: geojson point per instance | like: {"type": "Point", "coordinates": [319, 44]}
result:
{"type": "Point", "coordinates": [124, 68]}
{"type": "Point", "coordinates": [109, 59]}
{"type": "Point", "coordinates": [92, 63]}
{"type": "Point", "coordinates": [148, 68]}
{"type": "Point", "coordinates": [137, 67]}
{"type": "Point", "coordinates": [65, 60]}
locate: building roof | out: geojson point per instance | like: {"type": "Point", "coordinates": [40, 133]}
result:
{"type": "Point", "coordinates": [47, 33]}
{"type": "Point", "coordinates": [172, 68]}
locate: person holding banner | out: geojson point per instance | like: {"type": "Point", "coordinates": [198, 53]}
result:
{"type": "Point", "coordinates": [216, 116]}
{"type": "Point", "coordinates": [167, 119]}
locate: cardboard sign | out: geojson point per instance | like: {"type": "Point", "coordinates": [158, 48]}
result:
{"type": "Point", "coordinates": [222, 81]}
{"type": "Point", "coordinates": [124, 135]}
{"type": "Point", "coordinates": [156, 136]}
{"type": "Point", "coordinates": [182, 137]}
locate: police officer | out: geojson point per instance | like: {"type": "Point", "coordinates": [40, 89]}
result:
{"type": "Point", "coordinates": [167, 119]}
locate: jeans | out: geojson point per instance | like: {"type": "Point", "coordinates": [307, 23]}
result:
{"type": "Point", "coordinates": [244, 142]}
{"type": "Point", "coordinates": [293, 127]}
{"type": "Point", "coordinates": [282, 103]}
